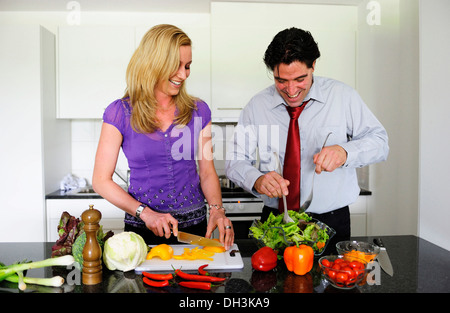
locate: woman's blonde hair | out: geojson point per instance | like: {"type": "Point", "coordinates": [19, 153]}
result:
{"type": "Point", "coordinates": [156, 59]}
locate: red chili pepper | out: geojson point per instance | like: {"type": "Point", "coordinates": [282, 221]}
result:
{"type": "Point", "coordinates": [201, 270]}
{"type": "Point", "coordinates": [196, 285]}
{"type": "Point", "coordinates": [158, 276]}
{"type": "Point", "coordinates": [153, 283]}
{"type": "Point", "coordinates": [198, 277]}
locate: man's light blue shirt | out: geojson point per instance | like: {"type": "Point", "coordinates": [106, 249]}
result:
{"type": "Point", "coordinates": [333, 107]}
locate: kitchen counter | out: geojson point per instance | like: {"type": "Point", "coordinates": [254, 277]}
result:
{"type": "Point", "coordinates": [419, 267]}
{"type": "Point", "coordinates": [226, 193]}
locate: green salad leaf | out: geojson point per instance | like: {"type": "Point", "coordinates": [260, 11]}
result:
{"type": "Point", "coordinates": [277, 235]}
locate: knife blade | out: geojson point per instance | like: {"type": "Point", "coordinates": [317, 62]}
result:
{"type": "Point", "coordinates": [383, 257]}
{"type": "Point", "coordinates": [197, 240]}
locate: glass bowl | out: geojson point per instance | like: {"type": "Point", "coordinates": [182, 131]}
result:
{"type": "Point", "coordinates": [358, 249]}
{"type": "Point", "coordinates": [343, 272]}
{"type": "Point", "coordinates": [283, 242]}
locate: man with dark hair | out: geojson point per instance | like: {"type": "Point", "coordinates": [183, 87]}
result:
{"type": "Point", "coordinates": [293, 118]}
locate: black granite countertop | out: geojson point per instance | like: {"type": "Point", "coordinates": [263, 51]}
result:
{"type": "Point", "coordinates": [419, 267]}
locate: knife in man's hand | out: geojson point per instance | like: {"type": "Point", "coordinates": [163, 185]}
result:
{"type": "Point", "coordinates": [383, 257]}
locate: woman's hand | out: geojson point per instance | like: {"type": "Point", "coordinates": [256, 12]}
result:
{"type": "Point", "coordinates": [218, 219]}
{"type": "Point", "coordinates": [161, 224]}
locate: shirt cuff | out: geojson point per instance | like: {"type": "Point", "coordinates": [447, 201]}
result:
{"type": "Point", "coordinates": [351, 154]}
{"type": "Point", "coordinates": [250, 178]}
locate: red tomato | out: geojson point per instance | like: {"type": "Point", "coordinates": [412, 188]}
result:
{"type": "Point", "coordinates": [338, 261]}
{"type": "Point", "coordinates": [332, 275]}
{"type": "Point", "coordinates": [336, 266]}
{"type": "Point", "coordinates": [326, 263]}
{"type": "Point", "coordinates": [356, 265]}
{"type": "Point", "coordinates": [348, 271]}
{"type": "Point", "coordinates": [359, 273]}
{"type": "Point", "coordinates": [341, 277]}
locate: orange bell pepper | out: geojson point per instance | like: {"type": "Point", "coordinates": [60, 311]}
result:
{"type": "Point", "coordinates": [299, 259]}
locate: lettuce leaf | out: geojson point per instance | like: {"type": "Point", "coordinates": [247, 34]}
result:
{"type": "Point", "coordinates": [277, 235]}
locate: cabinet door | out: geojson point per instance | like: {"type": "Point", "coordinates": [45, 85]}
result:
{"type": "Point", "coordinates": [92, 62]}
{"type": "Point", "coordinates": [241, 32]}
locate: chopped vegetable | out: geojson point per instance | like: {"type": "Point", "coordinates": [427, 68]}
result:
{"type": "Point", "coordinates": [265, 259]}
{"type": "Point", "coordinates": [163, 251]}
{"type": "Point", "coordinates": [299, 259]}
{"type": "Point", "coordinates": [214, 249]}
{"type": "Point", "coordinates": [124, 251]}
{"type": "Point", "coordinates": [195, 254]}
{"type": "Point", "coordinates": [276, 234]}
{"type": "Point", "coordinates": [356, 255]}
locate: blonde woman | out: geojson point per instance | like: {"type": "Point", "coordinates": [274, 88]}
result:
{"type": "Point", "coordinates": [164, 132]}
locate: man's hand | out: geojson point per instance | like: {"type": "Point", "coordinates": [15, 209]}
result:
{"type": "Point", "coordinates": [330, 158]}
{"type": "Point", "coordinates": [272, 185]}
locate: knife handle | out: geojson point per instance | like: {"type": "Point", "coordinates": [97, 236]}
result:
{"type": "Point", "coordinates": [378, 242]}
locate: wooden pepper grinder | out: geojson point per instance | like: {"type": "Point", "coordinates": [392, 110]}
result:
{"type": "Point", "coordinates": [92, 253]}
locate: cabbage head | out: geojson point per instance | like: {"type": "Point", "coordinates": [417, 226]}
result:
{"type": "Point", "coordinates": [124, 251]}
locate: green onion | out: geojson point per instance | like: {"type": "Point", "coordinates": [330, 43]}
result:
{"type": "Point", "coordinates": [14, 272]}
{"type": "Point", "coordinates": [55, 281]}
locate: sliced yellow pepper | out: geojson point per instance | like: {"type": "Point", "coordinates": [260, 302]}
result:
{"type": "Point", "coordinates": [356, 255]}
{"type": "Point", "coordinates": [194, 254]}
{"type": "Point", "coordinates": [163, 251]}
{"type": "Point", "coordinates": [215, 249]}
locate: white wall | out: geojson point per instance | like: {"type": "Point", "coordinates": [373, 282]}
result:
{"type": "Point", "coordinates": [434, 126]}
{"type": "Point", "coordinates": [387, 80]}
{"type": "Point", "coordinates": [27, 86]}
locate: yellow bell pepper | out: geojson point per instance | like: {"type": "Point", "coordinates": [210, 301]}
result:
{"type": "Point", "coordinates": [215, 249]}
{"type": "Point", "coordinates": [163, 251]}
{"type": "Point", "coordinates": [194, 254]}
{"type": "Point", "coordinates": [299, 259]}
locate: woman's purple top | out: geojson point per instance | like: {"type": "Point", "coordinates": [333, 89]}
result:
{"type": "Point", "coordinates": [163, 171]}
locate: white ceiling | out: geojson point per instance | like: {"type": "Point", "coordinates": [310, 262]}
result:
{"type": "Point", "coordinates": [198, 6]}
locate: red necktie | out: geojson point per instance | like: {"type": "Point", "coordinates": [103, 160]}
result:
{"type": "Point", "coordinates": [291, 167]}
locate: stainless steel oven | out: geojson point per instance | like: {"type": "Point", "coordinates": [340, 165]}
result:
{"type": "Point", "coordinates": [242, 208]}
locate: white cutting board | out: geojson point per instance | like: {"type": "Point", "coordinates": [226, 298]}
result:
{"type": "Point", "coordinates": [220, 261]}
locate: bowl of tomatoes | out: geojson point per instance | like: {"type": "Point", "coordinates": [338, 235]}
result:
{"type": "Point", "coordinates": [343, 272]}
{"type": "Point", "coordinates": [358, 249]}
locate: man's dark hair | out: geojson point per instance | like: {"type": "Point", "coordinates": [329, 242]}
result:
{"type": "Point", "coordinates": [289, 45]}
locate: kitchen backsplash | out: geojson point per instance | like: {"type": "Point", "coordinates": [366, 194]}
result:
{"type": "Point", "coordinates": [86, 133]}
{"type": "Point", "coordinates": [85, 136]}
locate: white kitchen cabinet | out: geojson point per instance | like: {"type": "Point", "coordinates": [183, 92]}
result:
{"type": "Point", "coordinates": [241, 32]}
{"type": "Point", "coordinates": [35, 151]}
{"type": "Point", "coordinates": [92, 63]}
{"type": "Point", "coordinates": [358, 216]}
{"type": "Point", "coordinates": [112, 217]}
